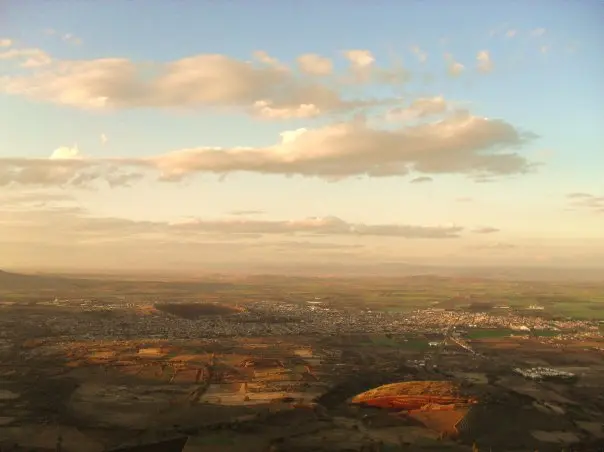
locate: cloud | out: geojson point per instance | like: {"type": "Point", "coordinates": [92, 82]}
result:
{"type": "Point", "coordinates": [587, 202]}
{"type": "Point", "coordinates": [200, 81]}
{"type": "Point", "coordinates": [29, 57]}
{"type": "Point", "coordinates": [273, 62]}
{"type": "Point", "coordinates": [318, 226]}
{"type": "Point", "coordinates": [544, 49]}
{"type": "Point", "coordinates": [361, 65]}
{"type": "Point", "coordinates": [483, 60]}
{"type": "Point", "coordinates": [67, 167]}
{"type": "Point", "coordinates": [460, 143]}
{"type": "Point", "coordinates": [40, 224]}
{"type": "Point", "coordinates": [265, 110]}
{"type": "Point", "coordinates": [538, 32]}
{"type": "Point", "coordinates": [421, 180]}
{"type": "Point", "coordinates": [306, 245]}
{"type": "Point", "coordinates": [104, 139]}
{"type": "Point", "coordinates": [421, 55]}
{"type": "Point", "coordinates": [464, 199]}
{"type": "Point", "coordinates": [485, 230]}
{"type": "Point", "coordinates": [359, 58]}
{"type": "Point", "coordinates": [311, 63]}
{"type": "Point", "coordinates": [5, 42]}
{"type": "Point", "coordinates": [246, 212]}
{"type": "Point", "coordinates": [65, 153]}
{"type": "Point", "coordinates": [419, 108]}
{"type": "Point", "coordinates": [454, 68]}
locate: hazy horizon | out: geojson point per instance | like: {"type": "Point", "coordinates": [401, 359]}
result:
{"type": "Point", "coordinates": [182, 146]}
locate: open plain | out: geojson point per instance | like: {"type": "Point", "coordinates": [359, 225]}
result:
{"type": "Point", "coordinates": [270, 363]}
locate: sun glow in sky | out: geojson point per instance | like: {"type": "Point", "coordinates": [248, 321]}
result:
{"type": "Point", "coordinates": [193, 134]}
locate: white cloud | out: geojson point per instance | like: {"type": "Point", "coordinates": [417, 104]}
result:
{"type": "Point", "coordinates": [458, 144]}
{"type": "Point", "coordinates": [544, 49]}
{"type": "Point", "coordinates": [5, 42]}
{"type": "Point", "coordinates": [314, 64]}
{"type": "Point", "coordinates": [483, 60]}
{"type": "Point", "coordinates": [65, 153]}
{"type": "Point", "coordinates": [104, 139]}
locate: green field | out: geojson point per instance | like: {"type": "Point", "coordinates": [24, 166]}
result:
{"type": "Point", "coordinates": [412, 343]}
{"type": "Point", "coordinates": [488, 333]}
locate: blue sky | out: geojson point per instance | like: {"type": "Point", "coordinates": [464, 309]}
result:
{"type": "Point", "coordinates": [545, 79]}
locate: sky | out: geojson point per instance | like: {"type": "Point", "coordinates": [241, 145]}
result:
{"type": "Point", "coordinates": [235, 134]}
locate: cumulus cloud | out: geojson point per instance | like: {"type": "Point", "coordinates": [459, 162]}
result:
{"type": "Point", "coordinates": [458, 144]}
{"type": "Point", "coordinates": [104, 139]}
{"type": "Point", "coordinates": [483, 61]}
{"type": "Point", "coordinates": [419, 108]}
{"type": "Point", "coordinates": [65, 153]}
{"type": "Point", "coordinates": [207, 80]}
{"type": "Point", "coordinates": [5, 42]}
{"type": "Point", "coordinates": [587, 201]}
{"type": "Point", "coordinates": [311, 63]}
